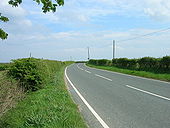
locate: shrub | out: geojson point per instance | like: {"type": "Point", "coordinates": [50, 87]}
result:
{"type": "Point", "coordinates": [3, 66]}
{"type": "Point", "coordinates": [165, 62]}
{"type": "Point", "coordinates": [158, 65]}
{"type": "Point", "coordinates": [102, 62]}
{"type": "Point", "coordinates": [132, 64]}
{"type": "Point", "coordinates": [26, 71]}
{"type": "Point", "coordinates": [92, 61]}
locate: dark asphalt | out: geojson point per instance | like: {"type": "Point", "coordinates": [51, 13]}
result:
{"type": "Point", "coordinates": [118, 105]}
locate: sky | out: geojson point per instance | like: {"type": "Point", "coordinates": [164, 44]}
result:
{"type": "Point", "coordinates": [66, 34]}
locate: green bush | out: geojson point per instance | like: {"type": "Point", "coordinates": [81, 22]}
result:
{"type": "Point", "coordinates": [26, 71]}
{"type": "Point", "coordinates": [92, 61]}
{"type": "Point", "coordinates": [3, 66]}
{"type": "Point", "coordinates": [165, 63]}
{"type": "Point", "coordinates": [156, 65]}
{"type": "Point", "coordinates": [102, 62]}
{"type": "Point", "coordinates": [132, 64]}
{"type": "Point", "coordinates": [99, 62]}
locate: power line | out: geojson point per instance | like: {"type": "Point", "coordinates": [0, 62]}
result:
{"type": "Point", "coordinates": [148, 34]}
{"type": "Point", "coordinates": [140, 36]}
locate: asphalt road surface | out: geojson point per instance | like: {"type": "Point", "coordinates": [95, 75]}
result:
{"type": "Point", "coordinates": [115, 100]}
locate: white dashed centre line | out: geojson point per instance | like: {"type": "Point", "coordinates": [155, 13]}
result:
{"type": "Point", "coordinates": [87, 71]}
{"type": "Point", "coordinates": [147, 92]}
{"type": "Point", "coordinates": [103, 77]}
{"type": "Point", "coordinates": [79, 68]}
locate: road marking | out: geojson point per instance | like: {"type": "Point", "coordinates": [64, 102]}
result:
{"type": "Point", "coordinates": [147, 92]}
{"type": "Point", "coordinates": [128, 75]}
{"type": "Point", "coordinates": [103, 77]}
{"type": "Point", "coordinates": [79, 67]}
{"type": "Point", "coordinates": [86, 103]}
{"type": "Point", "coordinates": [87, 71]}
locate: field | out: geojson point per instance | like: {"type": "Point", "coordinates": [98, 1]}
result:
{"type": "Point", "coordinates": [48, 107]}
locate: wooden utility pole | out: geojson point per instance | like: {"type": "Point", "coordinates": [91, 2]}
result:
{"type": "Point", "coordinates": [114, 49]}
{"type": "Point", "coordinates": [88, 53]}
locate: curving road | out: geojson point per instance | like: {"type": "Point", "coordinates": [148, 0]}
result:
{"type": "Point", "coordinates": [115, 100]}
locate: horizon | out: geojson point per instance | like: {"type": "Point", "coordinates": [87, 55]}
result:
{"type": "Point", "coordinates": [93, 24]}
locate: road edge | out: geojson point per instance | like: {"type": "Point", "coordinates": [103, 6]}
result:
{"type": "Point", "coordinates": [85, 102]}
{"type": "Point", "coordinates": [128, 75]}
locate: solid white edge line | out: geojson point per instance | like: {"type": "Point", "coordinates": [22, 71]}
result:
{"type": "Point", "coordinates": [87, 71]}
{"type": "Point", "coordinates": [86, 103]}
{"type": "Point", "coordinates": [150, 93]}
{"type": "Point", "coordinates": [128, 75]}
{"type": "Point", "coordinates": [103, 77]}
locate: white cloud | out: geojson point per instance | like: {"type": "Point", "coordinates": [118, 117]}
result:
{"type": "Point", "coordinates": [62, 45]}
{"type": "Point", "coordinates": [11, 11]}
{"type": "Point", "coordinates": [158, 9]}
{"type": "Point", "coordinates": [28, 31]}
{"type": "Point", "coordinates": [18, 22]}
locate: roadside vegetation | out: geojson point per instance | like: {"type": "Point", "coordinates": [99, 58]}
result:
{"type": "Point", "coordinates": [156, 68]}
{"type": "Point", "coordinates": [44, 101]}
{"type": "Point", "coordinates": [10, 93]}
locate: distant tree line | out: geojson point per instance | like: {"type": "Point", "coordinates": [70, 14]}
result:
{"type": "Point", "coordinates": [158, 65]}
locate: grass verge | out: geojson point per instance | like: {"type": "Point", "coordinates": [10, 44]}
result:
{"type": "Point", "coordinates": [10, 93]}
{"type": "Point", "coordinates": [49, 107]}
{"type": "Point", "coordinates": [164, 77]}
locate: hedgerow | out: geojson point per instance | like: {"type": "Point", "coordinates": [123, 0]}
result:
{"type": "Point", "coordinates": [27, 72]}
{"type": "Point", "coordinates": [159, 65]}
{"type": "Point", "coordinates": [3, 66]}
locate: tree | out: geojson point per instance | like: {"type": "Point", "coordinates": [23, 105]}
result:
{"type": "Point", "coordinates": [3, 35]}
{"type": "Point", "coordinates": [47, 6]}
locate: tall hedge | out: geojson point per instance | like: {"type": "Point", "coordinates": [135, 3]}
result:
{"type": "Point", "coordinates": [144, 64]}
{"type": "Point", "coordinates": [101, 62]}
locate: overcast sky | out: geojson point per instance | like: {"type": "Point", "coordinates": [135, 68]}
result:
{"type": "Point", "coordinates": [66, 34]}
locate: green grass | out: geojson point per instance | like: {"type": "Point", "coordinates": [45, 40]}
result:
{"type": "Point", "coordinates": [50, 107]}
{"type": "Point", "coordinates": [164, 77]}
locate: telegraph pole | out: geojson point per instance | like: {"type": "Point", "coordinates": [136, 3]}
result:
{"type": "Point", "coordinates": [88, 53]}
{"type": "Point", "coordinates": [114, 49]}
{"type": "Point", "coordinates": [30, 55]}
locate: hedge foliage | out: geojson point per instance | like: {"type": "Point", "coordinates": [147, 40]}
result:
{"type": "Point", "coordinates": [28, 72]}
{"type": "Point", "coordinates": [159, 65]}
{"type": "Point", "coordinates": [4, 66]}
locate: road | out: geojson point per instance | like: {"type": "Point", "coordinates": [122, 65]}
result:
{"type": "Point", "coordinates": [117, 100]}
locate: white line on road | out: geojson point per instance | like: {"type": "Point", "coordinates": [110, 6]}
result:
{"type": "Point", "coordinates": [87, 71]}
{"type": "Point", "coordinates": [80, 68]}
{"type": "Point", "coordinates": [103, 77]}
{"type": "Point", "coordinates": [87, 104]}
{"type": "Point", "coordinates": [140, 77]}
{"type": "Point", "coordinates": [150, 93]}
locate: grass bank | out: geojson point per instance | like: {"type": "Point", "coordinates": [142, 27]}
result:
{"type": "Point", "coordinates": [10, 93]}
{"type": "Point", "coordinates": [48, 107]}
{"type": "Point", "coordinates": [164, 77]}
